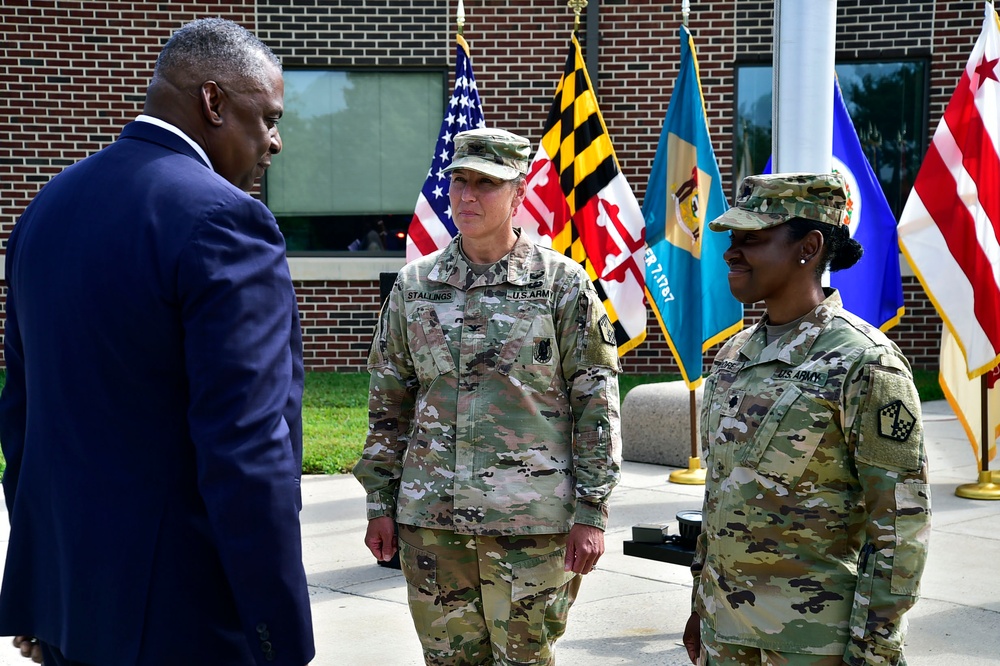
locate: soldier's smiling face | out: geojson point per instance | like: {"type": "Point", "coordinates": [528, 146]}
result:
{"type": "Point", "coordinates": [762, 264]}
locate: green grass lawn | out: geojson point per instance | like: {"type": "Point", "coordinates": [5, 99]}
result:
{"type": "Point", "coordinates": [334, 421]}
{"type": "Point", "coordinates": [335, 415]}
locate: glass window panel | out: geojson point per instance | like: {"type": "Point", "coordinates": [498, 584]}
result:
{"type": "Point", "coordinates": [886, 103]}
{"type": "Point", "coordinates": [753, 119]}
{"type": "Point", "coordinates": [356, 148]}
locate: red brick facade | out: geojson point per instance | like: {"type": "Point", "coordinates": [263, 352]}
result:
{"type": "Point", "coordinates": [74, 72]}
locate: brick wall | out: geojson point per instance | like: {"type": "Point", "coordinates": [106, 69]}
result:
{"type": "Point", "coordinates": [337, 322]}
{"type": "Point", "coordinates": [74, 72]}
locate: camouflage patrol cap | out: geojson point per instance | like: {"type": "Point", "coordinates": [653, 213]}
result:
{"type": "Point", "coordinates": [771, 199]}
{"type": "Point", "coordinates": [493, 152]}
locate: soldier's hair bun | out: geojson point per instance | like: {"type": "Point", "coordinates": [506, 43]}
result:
{"type": "Point", "coordinates": [844, 251]}
{"type": "Point", "coordinates": [840, 251]}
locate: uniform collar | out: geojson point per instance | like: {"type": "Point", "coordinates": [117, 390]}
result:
{"type": "Point", "coordinates": [453, 269]}
{"type": "Point", "coordinates": [793, 347]}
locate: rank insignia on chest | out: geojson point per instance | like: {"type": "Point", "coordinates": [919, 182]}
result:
{"type": "Point", "coordinates": [731, 403]}
{"type": "Point", "coordinates": [607, 330]}
{"type": "Point", "coordinates": [895, 421]}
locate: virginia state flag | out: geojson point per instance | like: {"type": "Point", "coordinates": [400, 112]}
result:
{"type": "Point", "coordinates": [872, 288]}
{"type": "Point", "coordinates": [686, 279]}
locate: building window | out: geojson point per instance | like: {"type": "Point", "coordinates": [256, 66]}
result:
{"type": "Point", "coordinates": [356, 148]}
{"type": "Point", "coordinates": [888, 106]}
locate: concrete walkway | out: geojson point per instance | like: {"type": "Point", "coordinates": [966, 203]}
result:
{"type": "Point", "coordinates": [632, 610]}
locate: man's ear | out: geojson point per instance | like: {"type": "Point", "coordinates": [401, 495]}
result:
{"type": "Point", "coordinates": [212, 101]}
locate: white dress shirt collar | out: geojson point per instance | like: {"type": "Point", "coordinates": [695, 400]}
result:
{"type": "Point", "coordinates": [143, 118]}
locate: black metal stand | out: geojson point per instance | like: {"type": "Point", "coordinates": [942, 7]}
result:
{"type": "Point", "coordinates": [662, 552]}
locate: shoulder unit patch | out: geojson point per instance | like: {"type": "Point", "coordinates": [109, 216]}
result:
{"type": "Point", "coordinates": [895, 421]}
{"type": "Point", "coordinates": [607, 330]}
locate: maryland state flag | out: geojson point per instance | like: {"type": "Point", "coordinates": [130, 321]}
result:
{"type": "Point", "coordinates": [579, 202]}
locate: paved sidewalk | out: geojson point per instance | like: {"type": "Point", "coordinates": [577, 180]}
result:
{"type": "Point", "coordinates": [632, 610]}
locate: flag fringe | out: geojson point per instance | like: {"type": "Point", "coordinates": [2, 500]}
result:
{"type": "Point", "coordinates": [981, 370]}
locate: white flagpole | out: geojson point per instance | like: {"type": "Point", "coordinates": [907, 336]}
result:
{"type": "Point", "coordinates": [802, 102]}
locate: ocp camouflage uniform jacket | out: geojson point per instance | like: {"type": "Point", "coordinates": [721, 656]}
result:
{"type": "Point", "coordinates": [493, 400]}
{"type": "Point", "coordinates": [817, 506]}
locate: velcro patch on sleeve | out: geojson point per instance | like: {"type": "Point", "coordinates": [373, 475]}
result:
{"type": "Point", "coordinates": [607, 330]}
{"type": "Point", "coordinates": [891, 431]}
{"type": "Point", "coordinates": [380, 339]}
{"type": "Point", "coordinates": [600, 347]}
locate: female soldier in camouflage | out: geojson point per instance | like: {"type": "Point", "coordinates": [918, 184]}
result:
{"type": "Point", "coordinates": [817, 505]}
{"type": "Point", "coordinates": [494, 438]}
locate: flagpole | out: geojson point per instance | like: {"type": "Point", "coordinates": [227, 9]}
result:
{"type": "Point", "coordinates": [577, 6]}
{"type": "Point", "coordinates": [985, 488]}
{"type": "Point", "coordinates": [694, 475]}
{"type": "Point", "coordinates": [460, 17]}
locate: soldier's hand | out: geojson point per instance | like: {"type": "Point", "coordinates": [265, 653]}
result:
{"type": "Point", "coordinates": [381, 538]}
{"type": "Point", "coordinates": [584, 546]}
{"type": "Point", "coordinates": [692, 637]}
{"type": "Point", "coordinates": [29, 647]}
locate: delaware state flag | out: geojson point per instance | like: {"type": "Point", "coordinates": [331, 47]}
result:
{"type": "Point", "coordinates": [686, 277]}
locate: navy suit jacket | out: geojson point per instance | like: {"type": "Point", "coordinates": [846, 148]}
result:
{"type": "Point", "coordinates": [151, 418]}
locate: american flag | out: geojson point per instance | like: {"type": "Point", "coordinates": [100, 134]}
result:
{"type": "Point", "coordinates": [432, 227]}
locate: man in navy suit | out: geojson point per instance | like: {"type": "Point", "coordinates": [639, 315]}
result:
{"type": "Point", "coordinates": [151, 418]}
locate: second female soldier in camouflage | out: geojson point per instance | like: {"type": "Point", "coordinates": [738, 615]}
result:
{"type": "Point", "coordinates": [817, 506]}
{"type": "Point", "coordinates": [494, 437]}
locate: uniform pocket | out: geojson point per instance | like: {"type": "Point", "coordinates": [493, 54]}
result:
{"type": "Point", "coordinates": [420, 567]}
{"type": "Point", "coordinates": [536, 585]}
{"type": "Point", "coordinates": [788, 436]}
{"type": "Point", "coordinates": [913, 508]}
{"type": "Point", "coordinates": [420, 570]}
{"type": "Point", "coordinates": [529, 355]}
{"type": "Point", "coordinates": [863, 592]}
{"type": "Point", "coordinates": [877, 649]}
{"type": "Point", "coordinates": [429, 346]}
